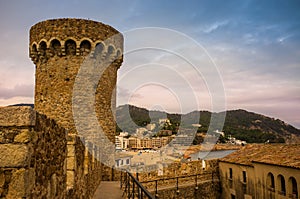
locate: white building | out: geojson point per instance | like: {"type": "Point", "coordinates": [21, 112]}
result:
{"type": "Point", "coordinates": [150, 127]}
{"type": "Point", "coordinates": [120, 141]}
{"type": "Point", "coordinates": [220, 133]}
{"type": "Point", "coordinates": [164, 121]}
{"type": "Point", "coordinates": [122, 160]}
{"type": "Point", "coordinates": [196, 125]}
{"type": "Point", "coordinates": [233, 140]}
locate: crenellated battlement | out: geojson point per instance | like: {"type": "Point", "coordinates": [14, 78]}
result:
{"type": "Point", "coordinates": [43, 50]}
{"type": "Point", "coordinates": [74, 37]}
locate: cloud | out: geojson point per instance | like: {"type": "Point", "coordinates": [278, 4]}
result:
{"type": "Point", "coordinates": [19, 90]}
{"type": "Point", "coordinates": [254, 43]}
{"type": "Point", "coordinates": [283, 38]}
{"type": "Point", "coordinates": [215, 26]}
{"type": "Point", "coordinates": [125, 95]}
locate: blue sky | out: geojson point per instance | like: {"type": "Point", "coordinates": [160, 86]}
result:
{"type": "Point", "coordinates": [255, 45]}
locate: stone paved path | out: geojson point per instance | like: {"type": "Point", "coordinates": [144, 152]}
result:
{"type": "Point", "coordinates": [108, 190]}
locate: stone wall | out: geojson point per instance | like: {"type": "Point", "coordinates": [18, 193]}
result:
{"type": "Point", "coordinates": [178, 180]}
{"type": "Point", "coordinates": [32, 155]}
{"type": "Point", "coordinates": [180, 169]}
{"type": "Point", "coordinates": [38, 159]}
{"type": "Point", "coordinates": [204, 190]}
{"type": "Point", "coordinates": [83, 168]}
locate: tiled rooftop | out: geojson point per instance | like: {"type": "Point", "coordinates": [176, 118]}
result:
{"type": "Point", "coordinates": [277, 154]}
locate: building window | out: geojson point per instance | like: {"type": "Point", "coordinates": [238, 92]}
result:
{"type": "Point", "coordinates": [127, 161]}
{"type": "Point", "coordinates": [281, 182]}
{"type": "Point", "coordinates": [271, 182]}
{"type": "Point", "coordinates": [230, 173]}
{"type": "Point", "coordinates": [293, 187]}
{"type": "Point", "coordinates": [244, 177]}
{"type": "Point", "coordinates": [121, 162]}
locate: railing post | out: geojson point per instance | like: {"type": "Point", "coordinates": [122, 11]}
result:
{"type": "Point", "coordinates": [138, 188]}
{"type": "Point", "coordinates": [133, 188]}
{"type": "Point", "coordinates": [125, 183]}
{"type": "Point", "coordinates": [196, 186]}
{"type": "Point", "coordinates": [128, 181]}
{"type": "Point", "coordinates": [142, 191]}
{"type": "Point", "coordinates": [121, 180]}
{"type": "Point", "coordinates": [177, 188]}
{"type": "Point", "coordinates": [156, 194]}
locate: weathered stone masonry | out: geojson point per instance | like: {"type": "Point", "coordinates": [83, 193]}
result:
{"type": "Point", "coordinates": [32, 155]}
{"type": "Point", "coordinates": [49, 157]}
{"type": "Point", "coordinates": [59, 48]}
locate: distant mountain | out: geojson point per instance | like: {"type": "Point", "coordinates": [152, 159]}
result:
{"type": "Point", "coordinates": [31, 105]}
{"type": "Point", "coordinates": [244, 125]}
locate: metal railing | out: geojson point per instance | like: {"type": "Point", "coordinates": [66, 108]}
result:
{"type": "Point", "coordinates": [179, 181]}
{"type": "Point", "coordinates": [132, 188]}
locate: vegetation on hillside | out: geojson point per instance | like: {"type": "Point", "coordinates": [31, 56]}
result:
{"type": "Point", "coordinates": [241, 124]}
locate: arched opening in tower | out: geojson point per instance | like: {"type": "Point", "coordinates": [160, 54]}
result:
{"type": "Point", "coordinates": [85, 47]}
{"type": "Point", "coordinates": [99, 50]}
{"type": "Point", "coordinates": [55, 47]}
{"type": "Point", "coordinates": [70, 47]}
{"type": "Point", "coordinates": [42, 48]}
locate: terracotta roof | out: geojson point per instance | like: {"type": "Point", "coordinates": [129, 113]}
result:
{"type": "Point", "coordinates": [277, 154]}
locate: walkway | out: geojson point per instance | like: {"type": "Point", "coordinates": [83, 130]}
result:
{"type": "Point", "coordinates": [108, 190]}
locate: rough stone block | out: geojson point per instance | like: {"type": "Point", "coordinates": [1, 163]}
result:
{"type": "Point", "coordinates": [14, 155]}
{"type": "Point", "coordinates": [70, 179]}
{"type": "Point", "coordinates": [2, 139]}
{"type": "Point", "coordinates": [17, 116]}
{"type": "Point", "coordinates": [2, 179]}
{"type": "Point", "coordinates": [71, 163]}
{"type": "Point", "coordinates": [23, 137]}
{"type": "Point", "coordinates": [71, 149]}
{"type": "Point", "coordinates": [21, 184]}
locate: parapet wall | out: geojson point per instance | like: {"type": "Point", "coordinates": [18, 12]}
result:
{"type": "Point", "coordinates": [16, 132]}
{"type": "Point", "coordinates": [36, 156]}
{"type": "Point", "coordinates": [178, 180]}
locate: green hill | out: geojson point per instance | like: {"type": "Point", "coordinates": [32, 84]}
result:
{"type": "Point", "coordinates": [244, 125]}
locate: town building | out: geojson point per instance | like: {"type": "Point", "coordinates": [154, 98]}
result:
{"type": "Point", "coordinates": [122, 160]}
{"type": "Point", "coordinates": [133, 142]}
{"type": "Point", "coordinates": [164, 133]}
{"type": "Point", "coordinates": [164, 121]}
{"type": "Point", "coordinates": [156, 142]}
{"type": "Point", "coordinates": [234, 141]}
{"type": "Point", "coordinates": [121, 141]}
{"type": "Point", "coordinates": [183, 140]}
{"type": "Point", "coordinates": [269, 171]}
{"type": "Point", "coordinates": [145, 143]}
{"type": "Point", "coordinates": [150, 127]}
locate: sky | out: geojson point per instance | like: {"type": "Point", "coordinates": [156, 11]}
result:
{"type": "Point", "coordinates": [254, 47]}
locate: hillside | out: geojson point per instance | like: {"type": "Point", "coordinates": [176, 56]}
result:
{"type": "Point", "coordinates": [244, 125]}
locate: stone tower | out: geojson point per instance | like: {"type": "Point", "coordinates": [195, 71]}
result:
{"type": "Point", "coordinates": [59, 48]}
